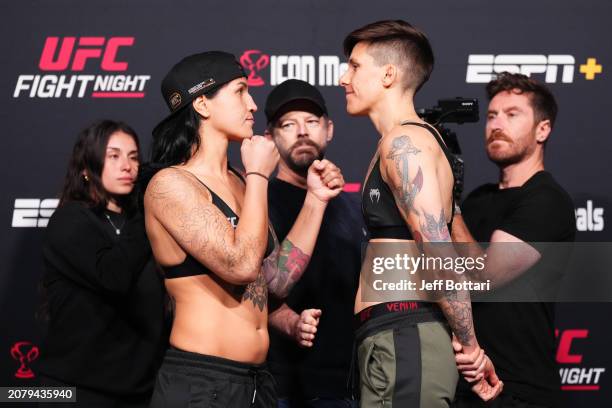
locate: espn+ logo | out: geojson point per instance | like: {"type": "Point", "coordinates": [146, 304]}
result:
{"type": "Point", "coordinates": [482, 68]}
{"type": "Point", "coordinates": [79, 54]}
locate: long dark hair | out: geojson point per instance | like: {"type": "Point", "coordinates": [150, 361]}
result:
{"type": "Point", "coordinates": [175, 141]}
{"type": "Point", "coordinates": [83, 180]}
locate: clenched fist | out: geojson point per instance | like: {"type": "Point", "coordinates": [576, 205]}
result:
{"type": "Point", "coordinates": [306, 327]}
{"type": "Point", "coordinates": [259, 155]}
{"type": "Point", "coordinates": [324, 180]}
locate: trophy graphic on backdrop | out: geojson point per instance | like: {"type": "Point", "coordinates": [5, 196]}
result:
{"type": "Point", "coordinates": [24, 352]}
{"type": "Point", "coordinates": [254, 61]}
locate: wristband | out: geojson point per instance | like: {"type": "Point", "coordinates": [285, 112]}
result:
{"type": "Point", "coordinates": [257, 174]}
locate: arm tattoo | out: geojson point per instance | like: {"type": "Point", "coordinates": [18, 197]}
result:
{"type": "Point", "coordinates": [435, 230]}
{"type": "Point", "coordinates": [458, 312]}
{"type": "Point", "coordinates": [200, 227]}
{"type": "Point", "coordinates": [459, 316]}
{"type": "Point", "coordinates": [401, 148]}
{"type": "Point", "coordinates": [285, 269]}
{"type": "Point", "coordinates": [205, 231]}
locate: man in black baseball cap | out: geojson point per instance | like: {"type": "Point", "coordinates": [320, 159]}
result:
{"type": "Point", "coordinates": [291, 91]}
{"type": "Point", "coordinates": [298, 123]}
{"type": "Point", "coordinates": [310, 357]}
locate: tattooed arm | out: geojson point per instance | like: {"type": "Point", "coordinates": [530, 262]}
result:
{"type": "Point", "coordinates": [286, 265]}
{"type": "Point", "coordinates": [284, 268]}
{"type": "Point", "coordinates": [409, 169]}
{"type": "Point", "coordinates": [177, 200]}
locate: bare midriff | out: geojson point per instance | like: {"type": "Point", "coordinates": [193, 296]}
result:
{"type": "Point", "coordinates": [359, 303]}
{"type": "Point", "coordinates": [212, 318]}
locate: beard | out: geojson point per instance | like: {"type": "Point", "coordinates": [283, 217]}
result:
{"type": "Point", "coordinates": [511, 153]}
{"type": "Point", "coordinates": [300, 163]}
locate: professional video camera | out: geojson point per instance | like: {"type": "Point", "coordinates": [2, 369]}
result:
{"type": "Point", "coordinates": [457, 110]}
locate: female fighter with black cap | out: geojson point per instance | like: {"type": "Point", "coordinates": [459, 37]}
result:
{"type": "Point", "coordinates": [209, 231]}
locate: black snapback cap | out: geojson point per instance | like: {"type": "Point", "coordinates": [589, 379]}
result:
{"type": "Point", "coordinates": [196, 75]}
{"type": "Point", "coordinates": [289, 91]}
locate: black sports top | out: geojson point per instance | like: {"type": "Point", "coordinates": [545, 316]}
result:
{"type": "Point", "coordinates": [380, 213]}
{"type": "Point", "coordinates": [190, 266]}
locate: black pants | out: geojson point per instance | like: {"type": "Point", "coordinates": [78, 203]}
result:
{"type": "Point", "coordinates": [195, 380]}
{"type": "Point", "coordinates": [87, 398]}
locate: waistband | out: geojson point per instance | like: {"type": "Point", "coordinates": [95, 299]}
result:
{"type": "Point", "coordinates": [391, 231]}
{"type": "Point", "coordinates": [181, 358]}
{"type": "Point", "coordinates": [389, 315]}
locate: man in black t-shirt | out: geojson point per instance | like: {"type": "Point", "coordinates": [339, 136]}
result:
{"type": "Point", "coordinates": [526, 206]}
{"type": "Point", "coordinates": [310, 350]}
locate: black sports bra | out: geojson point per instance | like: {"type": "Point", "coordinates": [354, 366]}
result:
{"type": "Point", "coordinates": [190, 266]}
{"type": "Point", "coordinates": [380, 213]}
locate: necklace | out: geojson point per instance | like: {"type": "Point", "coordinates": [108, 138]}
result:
{"type": "Point", "coordinates": [117, 229]}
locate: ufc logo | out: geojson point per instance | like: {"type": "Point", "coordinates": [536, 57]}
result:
{"type": "Point", "coordinates": [88, 48]}
{"type": "Point", "coordinates": [564, 355]}
{"type": "Point", "coordinates": [483, 67]}
{"type": "Point", "coordinates": [33, 212]}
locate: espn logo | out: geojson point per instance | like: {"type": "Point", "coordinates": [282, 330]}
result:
{"type": "Point", "coordinates": [33, 212]}
{"type": "Point", "coordinates": [483, 67]}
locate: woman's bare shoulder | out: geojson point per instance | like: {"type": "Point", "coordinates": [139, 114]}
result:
{"type": "Point", "coordinates": [175, 185]}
